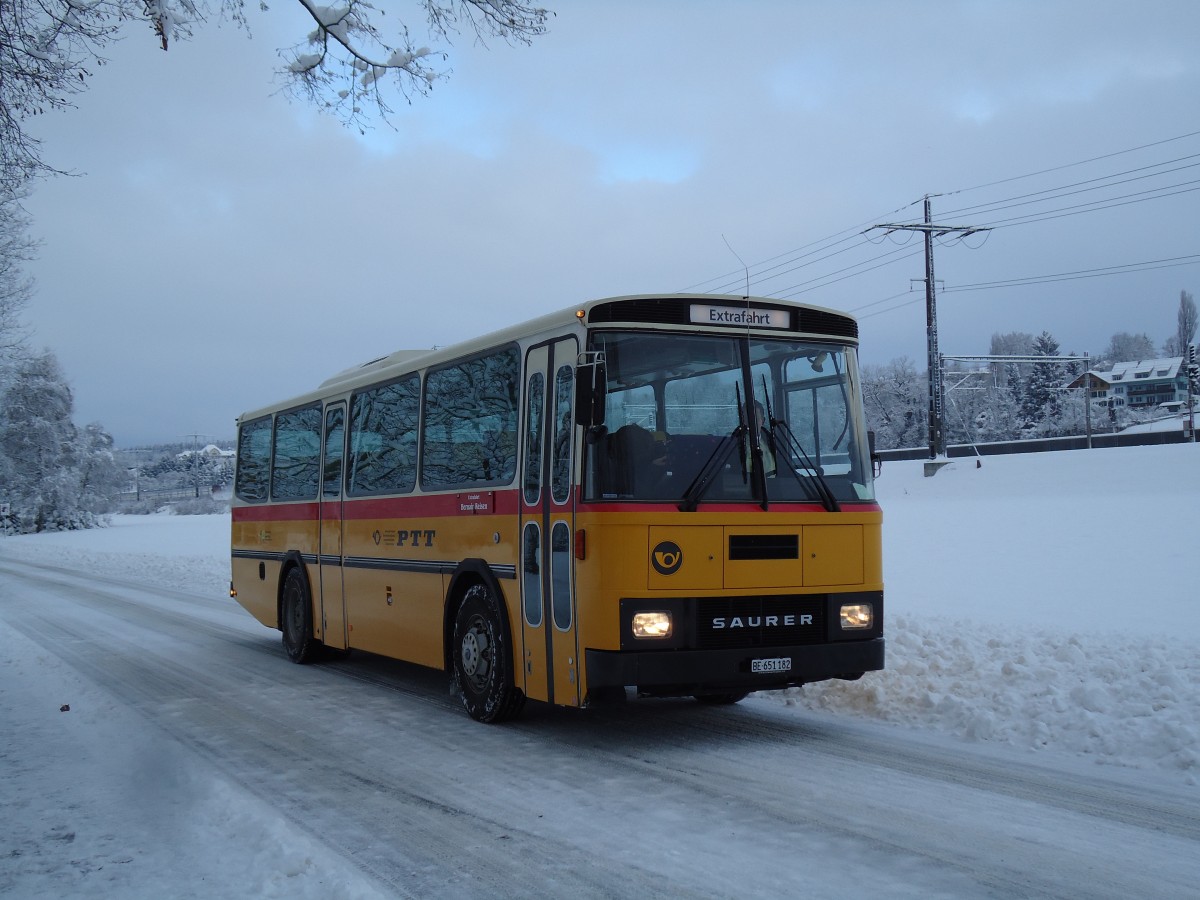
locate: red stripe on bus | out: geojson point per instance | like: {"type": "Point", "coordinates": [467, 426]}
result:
{"type": "Point", "coordinates": [425, 506]}
{"type": "Point", "coordinates": [777, 506]}
{"type": "Point", "coordinates": [274, 512]}
{"type": "Point", "coordinates": [503, 503]}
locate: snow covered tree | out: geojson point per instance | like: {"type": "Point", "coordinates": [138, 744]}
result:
{"type": "Point", "coordinates": [896, 401]}
{"type": "Point", "coordinates": [48, 49]}
{"type": "Point", "coordinates": [1045, 380]}
{"type": "Point", "coordinates": [1011, 376]}
{"type": "Point", "coordinates": [38, 443]}
{"type": "Point", "coordinates": [101, 477]}
{"type": "Point", "coordinates": [1000, 419]}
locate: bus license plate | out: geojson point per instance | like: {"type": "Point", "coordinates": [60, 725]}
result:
{"type": "Point", "coordinates": [780, 664]}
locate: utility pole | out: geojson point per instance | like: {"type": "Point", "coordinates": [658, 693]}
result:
{"type": "Point", "coordinates": [194, 461]}
{"type": "Point", "coordinates": [937, 432]}
{"type": "Point", "coordinates": [1193, 374]}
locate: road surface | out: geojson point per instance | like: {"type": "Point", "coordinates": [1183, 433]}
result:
{"type": "Point", "coordinates": [376, 766]}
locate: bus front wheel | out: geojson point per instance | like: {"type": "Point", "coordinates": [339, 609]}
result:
{"type": "Point", "coordinates": [483, 658]}
{"type": "Point", "coordinates": [296, 619]}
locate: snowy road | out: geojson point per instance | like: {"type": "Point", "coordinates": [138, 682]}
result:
{"type": "Point", "coordinates": [197, 761]}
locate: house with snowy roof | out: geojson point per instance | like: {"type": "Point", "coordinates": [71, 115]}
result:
{"type": "Point", "coordinates": [212, 451]}
{"type": "Point", "coordinates": [1139, 385]}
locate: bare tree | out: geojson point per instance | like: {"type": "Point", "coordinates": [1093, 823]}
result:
{"type": "Point", "coordinates": [1186, 320]}
{"type": "Point", "coordinates": [1126, 347]}
{"type": "Point", "coordinates": [48, 49]}
{"type": "Point", "coordinates": [16, 249]}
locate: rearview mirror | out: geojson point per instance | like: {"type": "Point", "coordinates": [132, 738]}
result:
{"type": "Point", "coordinates": [591, 390]}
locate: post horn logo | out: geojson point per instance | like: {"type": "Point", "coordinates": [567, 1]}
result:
{"type": "Point", "coordinates": [666, 558]}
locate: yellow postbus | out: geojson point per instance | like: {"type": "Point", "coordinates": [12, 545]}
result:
{"type": "Point", "coordinates": [664, 495]}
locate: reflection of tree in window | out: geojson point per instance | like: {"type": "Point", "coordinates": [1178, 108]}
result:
{"type": "Point", "coordinates": [560, 572]}
{"type": "Point", "coordinates": [471, 422]}
{"type": "Point", "coordinates": [534, 404]}
{"type": "Point", "coordinates": [254, 460]}
{"type": "Point", "coordinates": [335, 427]}
{"type": "Point", "coordinates": [560, 458]}
{"type": "Point", "coordinates": [383, 438]}
{"type": "Point", "coordinates": [531, 573]}
{"type": "Point", "coordinates": [295, 468]}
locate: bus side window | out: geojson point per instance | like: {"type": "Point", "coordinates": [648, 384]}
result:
{"type": "Point", "coordinates": [296, 456]}
{"type": "Point", "coordinates": [383, 438]}
{"type": "Point", "coordinates": [254, 460]}
{"type": "Point", "coordinates": [335, 434]}
{"type": "Point", "coordinates": [469, 429]}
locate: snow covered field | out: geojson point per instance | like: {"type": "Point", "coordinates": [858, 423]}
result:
{"type": "Point", "coordinates": [1041, 604]}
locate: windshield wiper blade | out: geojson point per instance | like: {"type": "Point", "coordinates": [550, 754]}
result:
{"type": "Point", "coordinates": [708, 472]}
{"type": "Point", "coordinates": [817, 483]}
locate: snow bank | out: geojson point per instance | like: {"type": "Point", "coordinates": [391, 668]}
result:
{"type": "Point", "coordinates": [1045, 601]}
{"type": "Point", "coordinates": [1129, 703]}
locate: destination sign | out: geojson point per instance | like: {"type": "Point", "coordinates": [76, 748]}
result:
{"type": "Point", "coordinates": [481, 503]}
{"type": "Point", "coordinates": [740, 316]}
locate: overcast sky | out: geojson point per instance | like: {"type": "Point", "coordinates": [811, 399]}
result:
{"type": "Point", "coordinates": [225, 247]}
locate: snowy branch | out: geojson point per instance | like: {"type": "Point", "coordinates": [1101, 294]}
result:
{"type": "Point", "coordinates": [48, 49]}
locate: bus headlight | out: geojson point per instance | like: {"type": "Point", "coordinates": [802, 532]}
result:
{"type": "Point", "coordinates": [652, 625]}
{"type": "Point", "coordinates": [857, 616]}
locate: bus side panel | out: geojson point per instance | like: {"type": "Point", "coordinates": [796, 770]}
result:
{"type": "Point", "coordinates": [614, 565]}
{"type": "Point", "coordinates": [391, 609]}
{"type": "Point", "coordinates": [257, 597]}
{"type": "Point", "coordinates": [398, 569]}
{"type": "Point", "coordinates": [261, 537]}
{"type": "Point", "coordinates": [395, 614]}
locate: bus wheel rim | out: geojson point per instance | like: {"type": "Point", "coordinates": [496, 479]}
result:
{"type": "Point", "coordinates": [474, 654]}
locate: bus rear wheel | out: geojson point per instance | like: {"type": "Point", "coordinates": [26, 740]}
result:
{"type": "Point", "coordinates": [483, 658]}
{"type": "Point", "coordinates": [296, 619]}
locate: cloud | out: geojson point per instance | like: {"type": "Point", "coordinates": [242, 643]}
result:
{"type": "Point", "coordinates": [227, 247]}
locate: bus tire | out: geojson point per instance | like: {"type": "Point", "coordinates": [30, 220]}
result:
{"type": "Point", "coordinates": [296, 618]}
{"type": "Point", "coordinates": [482, 656]}
{"type": "Point", "coordinates": [727, 699]}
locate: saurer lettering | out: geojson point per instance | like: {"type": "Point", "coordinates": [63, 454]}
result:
{"type": "Point", "coordinates": [787, 621]}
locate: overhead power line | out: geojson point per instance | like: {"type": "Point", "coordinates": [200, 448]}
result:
{"type": "Point", "coordinates": [1126, 268]}
{"type": "Point", "coordinates": [813, 253]}
{"type": "Point", "coordinates": [1097, 205]}
{"type": "Point", "coordinates": [1104, 272]}
{"type": "Point", "coordinates": [1082, 162]}
{"type": "Point", "coordinates": [1066, 190]}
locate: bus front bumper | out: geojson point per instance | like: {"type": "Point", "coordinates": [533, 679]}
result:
{"type": "Point", "coordinates": [684, 672]}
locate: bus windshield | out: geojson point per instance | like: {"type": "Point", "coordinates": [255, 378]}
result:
{"type": "Point", "coordinates": [681, 420]}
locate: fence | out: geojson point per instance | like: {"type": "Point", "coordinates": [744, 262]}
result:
{"type": "Point", "coordinates": [1041, 445]}
{"type": "Point", "coordinates": [166, 494]}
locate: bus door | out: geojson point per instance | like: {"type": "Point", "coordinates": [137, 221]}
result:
{"type": "Point", "coordinates": [332, 606]}
{"type": "Point", "coordinates": [549, 647]}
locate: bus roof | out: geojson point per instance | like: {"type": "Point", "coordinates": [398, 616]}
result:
{"type": "Point", "coordinates": [629, 309]}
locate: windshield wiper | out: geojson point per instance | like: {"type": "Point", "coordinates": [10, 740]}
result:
{"type": "Point", "coordinates": [708, 472]}
{"type": "Point", "coordinates": [817, 482]}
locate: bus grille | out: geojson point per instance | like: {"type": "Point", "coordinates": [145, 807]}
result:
{"type": "Point", "coordinates": [734, 622]}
